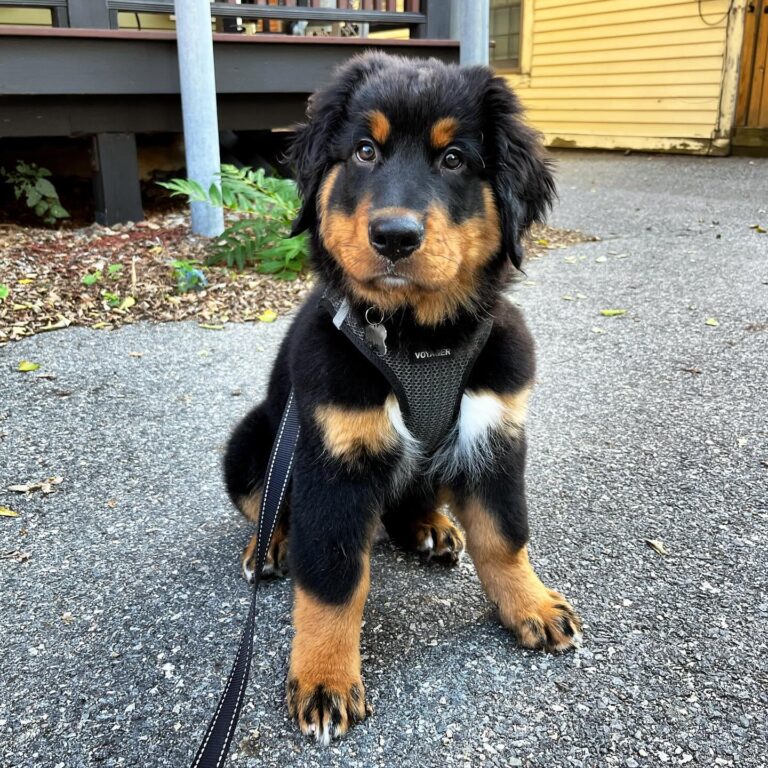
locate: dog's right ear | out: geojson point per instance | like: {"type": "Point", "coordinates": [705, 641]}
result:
{"type": "Point", "coordinates": [310, 151]}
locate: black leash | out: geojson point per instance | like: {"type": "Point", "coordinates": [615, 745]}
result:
{"type": "Point", "coordinates": [221, 729]}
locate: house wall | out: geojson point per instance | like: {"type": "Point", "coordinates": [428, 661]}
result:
{"type": "Point", "coordinates": [630, 74]}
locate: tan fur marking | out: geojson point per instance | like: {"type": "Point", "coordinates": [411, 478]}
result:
{"type": "Point", "coordinates": [443, 132]}
{"type": "Point", "coordinates": [510, 582]}
{"type": "Point", "coordinates": [326, 652]}
{"type": "Point", "coordinates": [347, 433]}
{"type": "Point", "coordinates": [444, 269]}
{"type": "Point", "coordinates": [326, 187]}
{"type": "Point", "coordinates": [380, 126]}
{"type": "Point", "coordinates": [250, 506]}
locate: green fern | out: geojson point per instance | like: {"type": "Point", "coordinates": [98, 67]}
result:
{"type": "Point", "coordinates": [261, 209]}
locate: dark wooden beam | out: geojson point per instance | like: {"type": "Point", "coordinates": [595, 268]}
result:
{"type": "Point", "coordinates": [116, 178]}
{"type": "Point", "coordinates": [438, 20]}
{"type": "Point", "coordinates": [77, 62]}
{"type": "Point", "coordinates": [92, 14]}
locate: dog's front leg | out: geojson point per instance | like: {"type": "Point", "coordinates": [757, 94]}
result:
{"type": "Point", "coordinates": [338, 485]}
{"type": "Point", "coordinates": [492, 510]}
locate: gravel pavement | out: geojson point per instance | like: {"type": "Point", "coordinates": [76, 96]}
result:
{"type": "Point", "coordinates": [121, 598]}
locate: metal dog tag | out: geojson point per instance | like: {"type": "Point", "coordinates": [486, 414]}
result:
{"type": "Point", "coordinates": [376, 338]}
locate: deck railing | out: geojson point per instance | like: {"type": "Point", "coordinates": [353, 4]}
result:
{"type": "Point", "coordinates": [415, 14]}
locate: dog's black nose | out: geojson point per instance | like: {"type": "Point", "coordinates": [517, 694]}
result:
{"type": "Point", "coordinates": [395, 237]}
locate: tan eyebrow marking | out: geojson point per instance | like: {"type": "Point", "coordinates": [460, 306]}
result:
{"type": "Point", "coordinates": [380, 126]}
{"type": "Point", "coordinates": [443, 132]}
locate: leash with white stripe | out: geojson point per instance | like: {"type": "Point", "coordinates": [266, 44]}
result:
{"type": "Point", "coordinates": [221, 729]}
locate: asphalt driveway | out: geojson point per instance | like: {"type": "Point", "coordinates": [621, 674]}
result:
{"type": "Point", "coordinates": [121, 598]}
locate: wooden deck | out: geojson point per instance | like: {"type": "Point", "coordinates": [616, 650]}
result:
{"type": "Point", "coordinates": [94, 80]}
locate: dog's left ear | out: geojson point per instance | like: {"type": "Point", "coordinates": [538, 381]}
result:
{"type": "Point", "coordinates": [309, 152]}
{"type": "Point", "coordinates": [520, 173]}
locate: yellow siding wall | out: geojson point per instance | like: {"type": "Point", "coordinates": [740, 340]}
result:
{"type": "Point", "coordinates": [637, 74]}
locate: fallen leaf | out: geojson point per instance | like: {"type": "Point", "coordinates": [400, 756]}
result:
{"type": "Point", "coordinates": [6, 512]}
{"type": "Point", "coordinates": [16, 555]}
{"type": "Point", "coordinates": [25, 281]}
{"type": "Point", "coordinates": [568, 298]}
{"type": "Point", "coordinates": [26, 366]}
{"type": "Point", "coordinates": [211, 327]}
{"type": "Point", "coordinates": [712, 321]}
{"type": "Point", "coordinates": [267, 316]}
{"type": "Point", "coordinates": [612, 312]}
{"type": "Point", "coordinates": [601, 259]}
{"type": "Point", "coordinates": [692, 369]}
{"type": "Point", "coordinates": [46, 486]}
{"type": "Point", "coordinates": [127, 303]}
{"type": "Point", "coordinates": [45, 376]}
{"type": "Point", "coordinates": [760, 230]}
{"type": "Point", "coordinates": [657, 546]}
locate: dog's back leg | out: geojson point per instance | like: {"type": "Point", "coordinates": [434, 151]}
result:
{"type": "Point", "coordinates": [245, 463]}
{"type": "Point", "coordinates": [418, 522]}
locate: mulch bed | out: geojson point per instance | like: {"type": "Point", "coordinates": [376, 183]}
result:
{"type": "Point", "coordinates": [43, 270]}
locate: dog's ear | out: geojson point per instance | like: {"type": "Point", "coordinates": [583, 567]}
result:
{"type": "Point", "coordinates": [520, 173]}
{"type": "Point", "coordinates": [309, 153]}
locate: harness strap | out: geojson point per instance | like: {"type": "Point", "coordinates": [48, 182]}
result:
{"type": "Point", "coordinates": [221, 729]}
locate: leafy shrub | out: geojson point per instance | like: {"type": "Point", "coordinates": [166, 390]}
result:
{"type": "Point", "coordinates": [30, 181]}
{"type": "Point", "coordinates": [262, 209]}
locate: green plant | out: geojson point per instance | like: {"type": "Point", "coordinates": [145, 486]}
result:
{"type": "Point", "coordinates": [188, 275]}
{"type": "Point", "coordinates": [114, 270]}
{"type": "Point", "coordinates": [112, 299]}
{"type": "Point", "coordinates": [91, 278]}
{"type": "Point", "coordinates": [4, 291]}
{"type": "Point", "coordinates": [30, 181]}
{"type": "Point", "coordinates": [262, 209]}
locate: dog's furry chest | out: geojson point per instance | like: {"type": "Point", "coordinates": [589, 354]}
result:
{"type": "Point", "coordinates": [486, 421]}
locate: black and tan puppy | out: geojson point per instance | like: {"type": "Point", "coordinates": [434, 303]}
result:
{"type": "Point", "coordinates": [419, 180]}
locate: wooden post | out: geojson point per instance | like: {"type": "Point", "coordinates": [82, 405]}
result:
{"type": "Point", "coordinates": [438, 25]}
{"type": "Point", "coordinates": [91, 14]}
{"type": "Point", "coordinates": [116, 178]}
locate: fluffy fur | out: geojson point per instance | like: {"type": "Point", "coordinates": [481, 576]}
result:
{"type": "Point", "coordinates": [419, 181]}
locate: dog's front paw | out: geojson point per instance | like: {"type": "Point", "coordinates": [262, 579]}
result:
{"type": "Point", "coordinates": [547, 623]}
{"type": "Point", "coordinates": [326, 710]}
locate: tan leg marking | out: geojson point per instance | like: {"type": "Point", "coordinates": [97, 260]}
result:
{"type": "Point", "coordinates": [348, 433]}
{"type": "Point", "coordinates": [325, 690]}
{"type": "Point", "coordinates": [540, 617]}
{"type": "Point", "coordinates": [277, 556]}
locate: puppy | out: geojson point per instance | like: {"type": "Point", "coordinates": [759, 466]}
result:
{"type": "Point", "coordinates": [419, 180]}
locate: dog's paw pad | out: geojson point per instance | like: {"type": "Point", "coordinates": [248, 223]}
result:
{"type": "Point", "coordinates": [326, 712]}
{"type": "Point", "coordinates": [440, 540]}
{"type": "Point", "coordinates": [552, 626]}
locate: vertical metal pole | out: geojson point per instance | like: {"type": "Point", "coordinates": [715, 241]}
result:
{"type": "Point", "coordinates": [198, 105]}
{"type": "Point", "coordinates": [470, 22]}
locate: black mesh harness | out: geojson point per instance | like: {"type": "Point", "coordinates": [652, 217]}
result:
{"type": "Point", "coordinates": [428, 383]}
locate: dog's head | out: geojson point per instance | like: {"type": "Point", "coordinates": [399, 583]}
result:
{"type": "Point", "coordinates": [419, 180]}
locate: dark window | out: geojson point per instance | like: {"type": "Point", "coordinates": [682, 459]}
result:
{"type": "Point", "coordinates": [505, 34]}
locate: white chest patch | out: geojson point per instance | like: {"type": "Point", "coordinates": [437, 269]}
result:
{"type": "Point", "coordinates": [485, 418]}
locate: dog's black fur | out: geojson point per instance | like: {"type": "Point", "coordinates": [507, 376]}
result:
{"type": "Point", "coordinates": [446, 148]}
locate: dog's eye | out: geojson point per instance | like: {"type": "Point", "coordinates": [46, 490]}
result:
{"type": "Point", "coordinates": [365, 152]}
{"type": "Point", "coordinates": [452, 159]}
